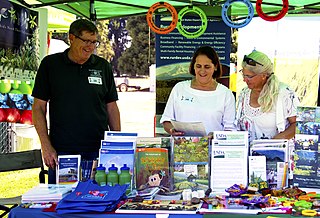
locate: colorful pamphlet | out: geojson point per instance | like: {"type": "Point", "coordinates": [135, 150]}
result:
{"type": "Point", "coordinates": [117, 153]}
{"type": "Point", "coordinates": [159, 207]}
{"type": "Point", "coordinates": [152, 168]}
{"type": "Point", "coordinates": [257, 170]}
{"type": "Point", "coordinates": [191, 162]}
{"type": "Point", "coordinates": [68, 169]}
{"type": "Point", "coordinates": [277, 158]}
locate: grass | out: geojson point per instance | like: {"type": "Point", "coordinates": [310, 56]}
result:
{"type": "Point", "coordinates": [15, 183]}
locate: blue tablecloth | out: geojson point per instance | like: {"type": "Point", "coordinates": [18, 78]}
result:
{"type": "Point", "coordinates": [20, 212]}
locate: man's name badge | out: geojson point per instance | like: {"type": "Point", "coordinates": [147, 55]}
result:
{"type": "Point", "coordinates": [95, 80]}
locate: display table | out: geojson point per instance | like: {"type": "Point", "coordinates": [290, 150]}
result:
{"type": "Point", "coordinates": [19, 212]}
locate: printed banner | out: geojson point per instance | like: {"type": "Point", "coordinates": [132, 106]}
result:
{"type": "Point", "coordinates": [306, 158]}
{"type": "Point", "coordinates": [174, 53]}
{"type": "Point", "coordinates": [19, 60]}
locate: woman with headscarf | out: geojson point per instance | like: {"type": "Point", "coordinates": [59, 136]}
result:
{"type": "Point", "coordinates": [267, 108]}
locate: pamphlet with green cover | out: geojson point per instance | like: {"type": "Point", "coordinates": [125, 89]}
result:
{"type": "Point", "coordinates": [191, 162]}
{"type": "Point", "coordinates": [152, 168]}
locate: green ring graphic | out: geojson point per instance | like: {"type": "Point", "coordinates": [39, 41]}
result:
{"type": "Point", "coordinates": [200, 13]}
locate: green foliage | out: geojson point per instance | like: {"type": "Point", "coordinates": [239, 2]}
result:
{"type": "Point", "coordinates": [26, 57]}
{"type": "Point", "coordinates": [190, 150]}
{"type": "Point", "coordinates": [255, 179]}
{"type": "Point", "coordinates": [184, 185]}
{"type": "Point", "coordinates": [163, 94]}
{"type": "Point", "coordinates": [118, 35]}
{"type": "Point", "coordinates": [164, 88]}
{"type": "Point", "coordinates": [105, 49]}
{"type": "Point", "coordinates": [137, 59]}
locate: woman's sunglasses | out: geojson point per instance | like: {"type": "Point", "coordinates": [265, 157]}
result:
{"type": "Point", "coordinates": [250, 61]}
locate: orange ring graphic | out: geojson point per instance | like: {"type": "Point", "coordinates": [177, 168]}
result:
{"type": "Point", "coordinates": [282, 13]}
{"type": "Point", "coordinates": [173, 23]}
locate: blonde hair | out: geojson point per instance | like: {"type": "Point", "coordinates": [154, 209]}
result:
{"type": "Point", "coordinates": [269, 93]}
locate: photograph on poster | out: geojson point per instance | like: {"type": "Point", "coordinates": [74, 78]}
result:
{"type": "Point", "coordinates": [308, 121]}
{"type": "Point", "coordinates": [191, 162]}
{"type": "Point", "coordinates": [276, 159]}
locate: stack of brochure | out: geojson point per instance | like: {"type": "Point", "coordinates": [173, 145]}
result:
{"type": "Point", "coordinates": [45, 193]}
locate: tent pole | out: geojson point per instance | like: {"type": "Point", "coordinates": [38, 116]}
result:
{"type": "Point", "coordinates": [93, 15]}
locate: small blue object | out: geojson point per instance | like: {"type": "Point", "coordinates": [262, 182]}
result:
{"type": "Point", "coordinates": [125, 167]}
{"type": "Point", "coordinates": [101, 167]}
{"type": "Point", "coordinates": [210, 207]}
{"type": "Point", "coordinates": [113, 167]}
{"type": "Point", "coordinates": [229, 22]}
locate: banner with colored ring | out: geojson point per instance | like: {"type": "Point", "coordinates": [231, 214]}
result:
{"type": "Point", "coordinates": [152, 25]}
{"type": "Point", "coordinates": [229, 22]}
{"type": "Point", "coordinates": [282, 13]}
{"type": "Point", "coordinates": [200, 13]}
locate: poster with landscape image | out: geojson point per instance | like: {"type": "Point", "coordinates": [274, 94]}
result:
{"type": "Point", "coordinates": [174, 53]}
{"type": "Point", "coordinates": [306, 157]}
{"type": "Point", "coordinates": [276, 159]}
{"type": "Point", "coordinates": [19, 60]}
{"type": "Point", "coordinates": [191, 163]}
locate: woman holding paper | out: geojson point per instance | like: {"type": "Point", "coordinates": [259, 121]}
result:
{"type": "Point", "coordinates": [266, 108]}
{"type": "Point", "coordinates": [201, 99]}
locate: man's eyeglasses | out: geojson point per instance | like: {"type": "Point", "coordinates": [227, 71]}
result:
{"type": "Point", "coordinates": [88, 42]}
{"type": "Point", "coordinates": [250, 61]}
{"type": "Point", "coordinates": [247, 76]}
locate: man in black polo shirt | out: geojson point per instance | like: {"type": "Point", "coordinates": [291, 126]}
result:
{"type": "Point", "coordinates": [80, 89]}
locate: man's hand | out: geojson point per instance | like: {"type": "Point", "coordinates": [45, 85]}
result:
{"type": "Point", "coordinates": [50, 157]}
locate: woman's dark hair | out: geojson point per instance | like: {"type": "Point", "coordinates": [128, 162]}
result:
{"type": "Point", "coordinates": [212, 55]}
{"type": "Point", "coordinates": [80, 25]}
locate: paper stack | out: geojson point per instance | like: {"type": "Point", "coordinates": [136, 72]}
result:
{"type": "Point", "coordinates": [45, 193]}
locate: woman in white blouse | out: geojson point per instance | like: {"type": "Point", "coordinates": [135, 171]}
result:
{"type": "Point", "coordinates": [201, 99]}
{"type": "Point", "coordinates": [266, 108]}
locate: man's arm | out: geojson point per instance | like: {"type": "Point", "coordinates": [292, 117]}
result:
{"type": "Point", "coordinates": [114, 116]}
{"type": "Point", "coordinates": [39, 110]}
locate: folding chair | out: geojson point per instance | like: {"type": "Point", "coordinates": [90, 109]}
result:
{"type": "Point", "coordinates": [20, 161]}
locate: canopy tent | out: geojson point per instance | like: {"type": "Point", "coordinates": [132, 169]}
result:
{"type": "Point", "coordinates": [59, 21]}
{"type": "Point", "coordinates": [105, 9]}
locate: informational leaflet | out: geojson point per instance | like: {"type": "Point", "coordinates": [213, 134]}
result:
{"type": "Point", "coordinates": [306, 161]}
{"type": "Point", "coordinates": [117, 152]}
{"type": "Point", "coordinates": [68, 169]}
{"type": "Point", "coordinates": [45, 193]}
{"type": "Point", "coordinates": [230, 138]}
{"type": "Point", "coordinates": [277, 157]}
{"type": "Point", "coordinates": [190, 128]}
{"type": "Point", "coordinates": [306, 173]}
{"type": "Point", "coordinates": [229, 160]}
{"type": "Point", "coordinates": [257, 169]}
